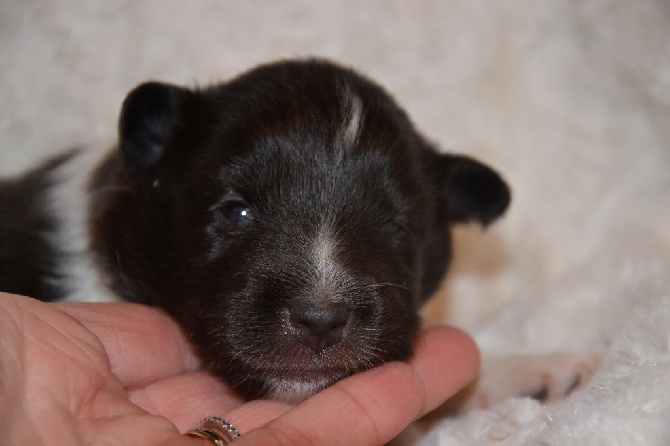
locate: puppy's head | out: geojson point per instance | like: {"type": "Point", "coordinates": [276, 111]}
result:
{"type": "Point", "coordinates": [292, 219]}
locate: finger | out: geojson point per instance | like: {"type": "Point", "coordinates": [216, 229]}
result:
{"type": "Point", "coordinates": [186, 399]}
{"type": "Point", "coordinates": [447, 361]}
{"type": "Point", "coordinates": [144, 344]}
{"type": "Point", "coordinates": [256, 414]}
{"type": "Point", "coordinates": [371, 407]}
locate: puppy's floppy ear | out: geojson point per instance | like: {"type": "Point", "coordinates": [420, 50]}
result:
{"type": "Point", "coordinates": [473, 191]}
{"type": "Point", "coordinates": [148, 117]}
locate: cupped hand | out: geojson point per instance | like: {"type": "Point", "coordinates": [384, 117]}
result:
{"type": "Point", "coordinates": [124, 374]}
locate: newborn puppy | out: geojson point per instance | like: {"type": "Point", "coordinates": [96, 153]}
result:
{"type": "Point", "coordinates": [291, 219]}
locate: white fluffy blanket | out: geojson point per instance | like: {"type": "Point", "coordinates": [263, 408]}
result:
{"type": "Point", "coordinates": [570, 99]}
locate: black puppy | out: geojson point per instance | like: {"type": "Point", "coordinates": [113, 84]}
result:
{"type": "Point", "coordinates": [292, 220]}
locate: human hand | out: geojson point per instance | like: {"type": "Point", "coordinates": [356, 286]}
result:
{"type": "Point", "coordinates": [124, 374]}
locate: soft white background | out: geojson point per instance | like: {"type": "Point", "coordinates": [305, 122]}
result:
{"type": "Point", "coordinates": [569, 99]}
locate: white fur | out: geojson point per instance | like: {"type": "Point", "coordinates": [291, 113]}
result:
{"type": "Point", "coordinates": [353, 118]}
{"type": "Point", "coordinates": [331, 276]}
{"type": "Point", "coordinates": [293, 391]}
{"type": "Point", "coordinates": [569, 99]}
{"type": "Point", "coordinates": [323, 261]}
{"type": "Point", "coordinates": [69, 201]}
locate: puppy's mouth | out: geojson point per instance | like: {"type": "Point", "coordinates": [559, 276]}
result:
{"type": "Point", "coordinates": [309, 375]}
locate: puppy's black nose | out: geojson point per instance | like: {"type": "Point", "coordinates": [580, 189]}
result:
{"type": "Point", "coordinates": [319, 326]}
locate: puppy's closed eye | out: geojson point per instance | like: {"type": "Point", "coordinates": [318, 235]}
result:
{"type": "Point", "coordinates": [394, 228]}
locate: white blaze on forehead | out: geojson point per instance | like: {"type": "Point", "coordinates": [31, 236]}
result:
{"type": "Point", "coordinates": [353, 117]}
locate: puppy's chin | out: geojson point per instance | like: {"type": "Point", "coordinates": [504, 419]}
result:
{"type": "Point", "coordinates": [291, 386]}
{"type": "Point", "coordinates": [298, 388]}
{"type": "Point", "coordinates": [292, 377]}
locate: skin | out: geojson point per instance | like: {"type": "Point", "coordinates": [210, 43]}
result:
{"type": "Point", "coordinates": [121, 374]}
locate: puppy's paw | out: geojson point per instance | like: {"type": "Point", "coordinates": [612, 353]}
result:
{"type": "Point", "coordinates": [546, 378]}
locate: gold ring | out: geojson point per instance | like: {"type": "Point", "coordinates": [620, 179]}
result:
{"type": "Point", "coordinates": [216, 430]}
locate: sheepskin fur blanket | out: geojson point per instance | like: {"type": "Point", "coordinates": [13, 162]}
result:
{"type": "Point", "coordinates": [570, 99]}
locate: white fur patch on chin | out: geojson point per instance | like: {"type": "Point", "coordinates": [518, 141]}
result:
{"type": "Point", "coordinates": [295, 392]}
{"type": "Point", "coordinates": [68, 200]}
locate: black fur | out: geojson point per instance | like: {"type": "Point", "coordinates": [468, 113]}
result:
{"type": "Point", "coordinates": [292, 252]}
